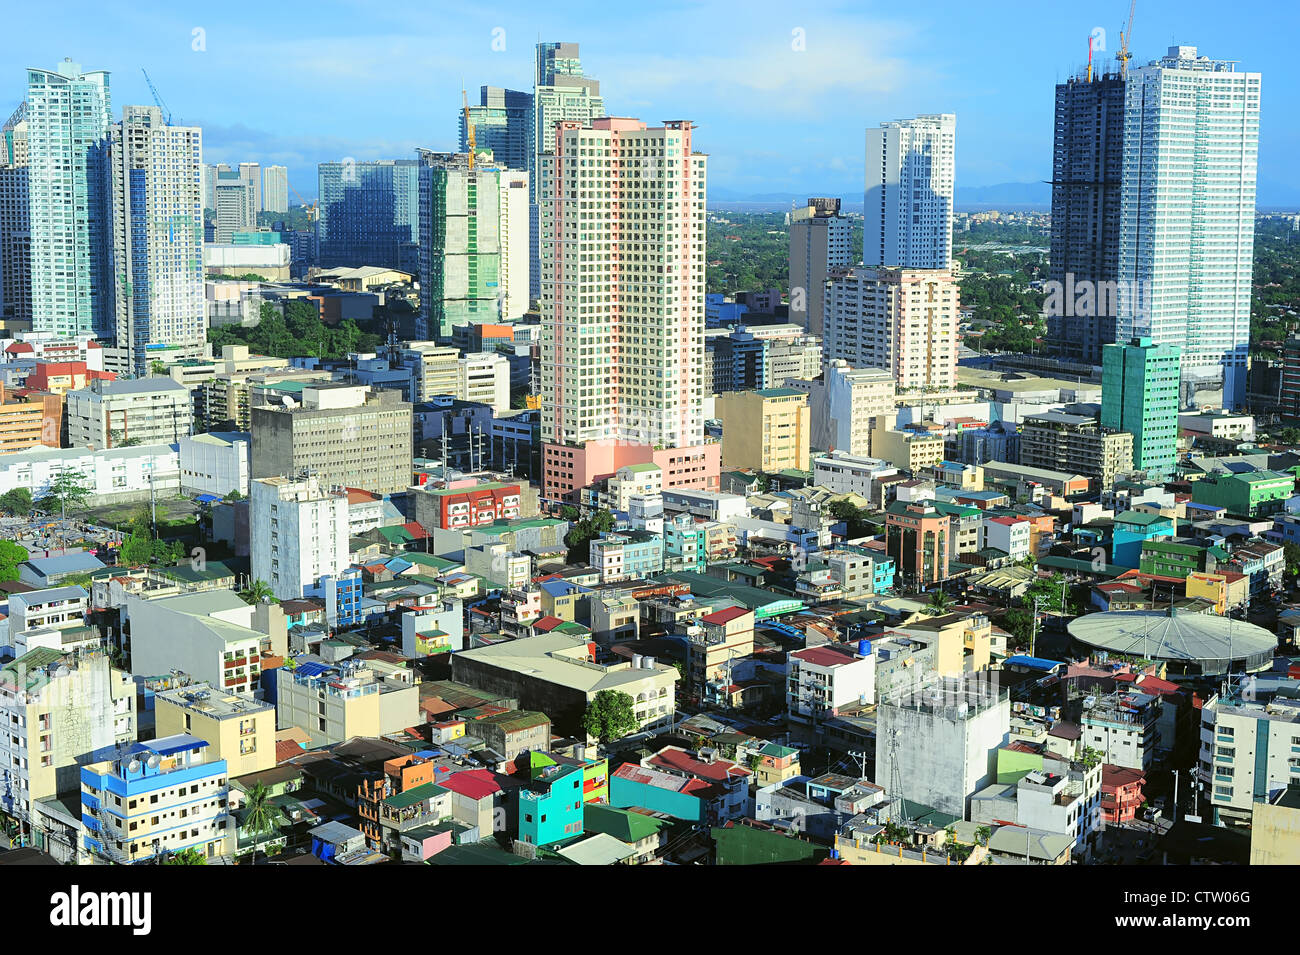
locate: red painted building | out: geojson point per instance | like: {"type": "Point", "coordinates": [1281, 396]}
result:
{"type": "Point", "coordinates": [1121, 793]}
{"type": "Point", "coordinates": [475, 506]}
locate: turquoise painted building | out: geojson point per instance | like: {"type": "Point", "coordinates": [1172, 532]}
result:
{"type": "Point", "coordinates": [550, 809]}
{"type": "Point", "coordinates": [1131, 528]}
{"type": "Point", "coordinates": [1139, 394]}
{"type": "Point", "coordinates": [679, 796]}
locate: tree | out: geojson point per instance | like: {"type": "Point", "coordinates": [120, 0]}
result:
{"type": "Point", "coordinates": [609, 716]}
{"type": "Point", "coordinates": [260, 814]}
{"type": "Point", "coordinates": [854, 518]}
{"type": "Point", "coordinates": [11, 555]}
{"type": "Point", "coordinates": [257, 591]}
{"type": "Point", "coordinates": [186, 857]}
{"type": "Point", "coordinates": [16, 503]}
{"type": "Point", "coordinates": [583, 532]}
{"type": "Point", "coordinates": [982, 835]}
{"type": "Point", "coordinates": [1291, 554]}
{"type": "Point", "coordinates": [67, 492]}
{"type": "Point", "coordinates": [233, 496]}
{"type": "Point", "coordinates": [940, 603]}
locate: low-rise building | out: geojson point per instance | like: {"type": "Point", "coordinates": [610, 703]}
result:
{"type": "Point", "coordinates": [238, 728]}
{"type": "Point", "coordinates": [355, 698]}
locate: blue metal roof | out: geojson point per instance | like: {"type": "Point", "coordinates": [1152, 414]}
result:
{"type": "Point", "coordinates": [1034, 663]}
{"type": "Point", "coordinates": [174, 744]}
{"type": "Point", "coordinates": [207, 498]}
{"type": "Point", "coordinates": [311, 668]}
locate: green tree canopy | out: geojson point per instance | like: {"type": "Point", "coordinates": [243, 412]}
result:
{"type": "Point", "coordinates": [11, 555]}
{"type": "Point", "coordinates": [610, 716]}
{"type": "Point", "coordinates": [16, 503]}
{"type": "Point", "coordinates": [67, 492]}
{"type": "Point", "coordinates": [186, 857]}
{"type": "Point", "coordinates": [583, 532]}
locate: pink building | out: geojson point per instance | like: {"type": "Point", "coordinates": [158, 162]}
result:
{"type": "Point", "coordinates": [621, 241]}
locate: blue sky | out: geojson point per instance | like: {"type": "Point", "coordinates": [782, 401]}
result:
{"type": "Point", "coordinates": [299, 83]}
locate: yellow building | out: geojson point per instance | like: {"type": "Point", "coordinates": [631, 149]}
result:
{"type": "Point", "coordinates": [912, 451]}
{"type": "Point", "coordinates": [766, 430]}
{"type": "Point", "coordinates": [1224, 590]}
{"type": "Point", "coordinates": [1275, 830]}
{"type": "Point", "coordinates": [237, 728]}
{"type": "Point", "coordinates": [29, 423]}
{"type": "Point", "coordinates": [336, 703]}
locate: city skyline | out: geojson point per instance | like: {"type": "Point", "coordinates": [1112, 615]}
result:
{"type": "Point", "coordinates": [755, 88]}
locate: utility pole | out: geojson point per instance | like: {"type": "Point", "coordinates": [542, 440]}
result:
{"type": "Point", "coordinates": [1033, 628]}
{"type": "Point", "coordinates": [1174, 813]}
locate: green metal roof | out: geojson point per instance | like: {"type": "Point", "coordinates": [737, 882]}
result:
{"type": "Point", "coordinates": [413, 796]}
{"type": "Point", "coordinates": [626, 826]}
{"type": "Point", "coordinates": [1140, 519]}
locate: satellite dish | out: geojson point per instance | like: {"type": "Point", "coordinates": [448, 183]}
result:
{"type": "Point", "coordinates": [133, 766]}
{"type": "Point", "coordinates": [154, 760]}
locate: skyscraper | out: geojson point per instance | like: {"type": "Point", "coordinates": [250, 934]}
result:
{"type": "Point", "coordinates": [1187, 211]}
{"type": "Point", "coordinates": [1087, 167]}
{"type": "Point", "coordinates": [210, 173]}
{"type": "Point", "coordinates": [233, 204]}
{"type": "Point", "coordinates": [819, 242]}
{"type": "Point", "coordinates": [503, 123]}
{"type": "Point", "coordinates": [369, 213]}
{"type": "Point", "coordinates": [275, 189]}
{"type": "Point", "coordinates": [473, 263]}
{"type": "Point", "coordinates": [157, 239]}
{"type": "Point", "coordinates": [623, 305]}
{"type": "Point", "coordinates": [560, 92]}
{"type": "Point", "coordinates": [251, 173]}
{"type": "Point", "coordinates": [15, 221]}
{"type": "Point", "coordinates": [909, 190]}
{"type": "Point", "coordinates": [1139, 394]}
{"type": "Point", "coordinates": [68, 118]}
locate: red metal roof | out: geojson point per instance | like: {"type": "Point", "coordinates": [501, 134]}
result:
{"type": "Point", "coordinates": [474, 783]}
{"type": "Point", "coordinates": [830, 655]}
{"type": "Point", "coordinates": [720, 617]}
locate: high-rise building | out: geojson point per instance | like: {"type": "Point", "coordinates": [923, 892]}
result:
{"type": "Point", "coordinates": [622, 374]}
{"type": "Point", "coordinates": [15, 222]}
{"type": "Point", "coordinates": [1087, 168]}
{"type": "Point", "coordinates": [251, 173]}
{"type": "Point", "coordinates": [473, 260]}
{"type": "Point", "coordinates": [1139, 394]}
{"type": "Point", "coordinates": [560, 92]}
{"type": "Point", "coordinates": [68, 118]}
{"type": "Point", "coordinates": [369, 214]}
{"type": "Point", "coordinates": [844, 404]}
{"type": "Point", "coordinates": [819, 242]}
{"type": "Point", "coordinates": [1187, 211]}
{"type": "Point", "coordinates": [765, 430]}
{"type": "Point", "coordinates": [1075, 444]}
{"type": "Point", "coordinates": [233, 203]}
{"type": "Point", "coordinates": [902, 320]}
{"type": "Point", "coordinates": [157, 239]}
{"type": "Point", "coordinates": [306, 533]}
{"type": "Point", "coordinates": [503, 123]}
{"type": "Point", "coordinates": [909, 189]}
{"type": "Point", "coordinates": [275, 189]}
{"type": "Point", "coordinates": [338, 433]}
{"type": "Point", "coordinates": [210, 173]}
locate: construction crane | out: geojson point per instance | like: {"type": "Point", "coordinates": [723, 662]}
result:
{"type": "Point", "coordinates": [167, 114]}
{"type": "Point", "coordinates": [1123, 54]}
{"type": "Point", "coordinates": [310, 207]}
{"type": "Point", "coordinates": [1090, 57]}
{"type": "Point", "coordinates": [469, 127]}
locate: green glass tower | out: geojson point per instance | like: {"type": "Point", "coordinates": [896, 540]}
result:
{"type": "Point", "coordinates": [1139, 394]}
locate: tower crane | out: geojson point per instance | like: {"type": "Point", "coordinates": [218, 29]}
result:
{"type": "Point", "coordinates": [167, 114]}
{"type": "Point", "coordinates": [310, 207]}
{"type": "Point", "coordinates": [469, 127]}
{"type": "Point", "coordinates": [1123, 55]}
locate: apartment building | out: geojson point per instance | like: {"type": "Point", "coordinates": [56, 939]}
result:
{"type": "Point", "coordinates": [142, 411]}
{"type": "Point", "coordinates": [302, 533]}
{"type": "Point", "coordinates": [1076, 444]}
{"type": "Point", "coordinates": [766, 430]}
{"type": "Point", "coordinates": [355, 698]}
{"type": "Point", "coordinates": [238, 728]}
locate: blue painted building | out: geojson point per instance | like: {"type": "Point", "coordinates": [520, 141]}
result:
{"type": "Point", "coordinates": [550, 809]}
{"type": "Point", "coordinates": [1131, 528]}
{"type": "Point", "coordinates": [156, 798]}
{"type": "Point", "coordinates": [341, 593]}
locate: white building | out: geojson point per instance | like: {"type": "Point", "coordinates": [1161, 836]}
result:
{"type": "Point", "coordinates": [275, 189]}
{"type": "Point", "coordinates": [844, 402]}
{"type": "Point", "coordinates": [1246, 748]}
{"type": "Point", "coordinates": [435, 629]}
{"type": "Point", "coordinates": [843, 473]}
{"type": "Point", "coordinates": [270, 262]}
{"type": "Point", "coordinates": [108, 414]}
{"type": "Point", "coordinates": [1124, 728]}
{"type": "Point", "coordinates": [708, 505]}
{"type": "Point", "coordinates": [301, 533]}
{"type": "Point", "coordinates": [1187, 211]}
{"type": "Point", "coordinates": [485, 378]}
{"type": "Point", "coordinates": [819, 680]}
{"type": "Point", "coordinates": [157, 239]}
{"type": "Point", "coordinates": [819, 242]}
{"type": "Point", "coordinates": [58, 709]}
{"type": "Point", "coordinates": [936, 744]}
{"type": "Point", "coordinates": [114, 475]}
{"type": "Point", "coordinates": [211, 635]}
{"type": "Point", "coordinates": [1007, 534]}
{"type": "Point", "coordinates": [909, 192]}
{"type": "Point", "coordinates": [902, 320]}
{"type": "Point", "coordinates": [217, 462]}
